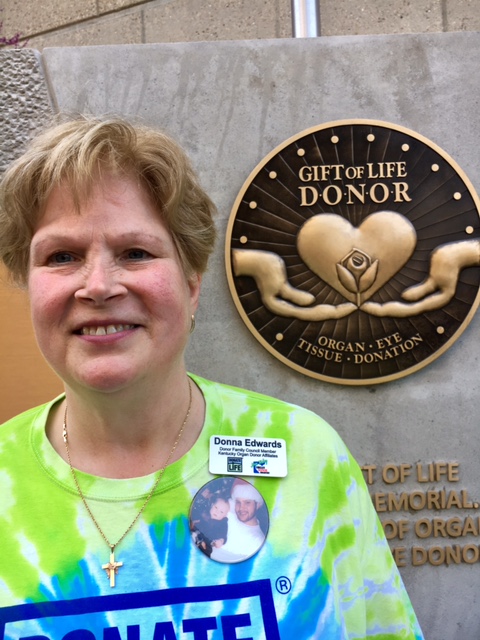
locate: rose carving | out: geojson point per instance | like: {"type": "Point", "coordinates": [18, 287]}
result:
{"type": "Point", "coordinates": [357, 272]}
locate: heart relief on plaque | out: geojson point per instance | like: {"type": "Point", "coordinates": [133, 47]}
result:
{"type": "Point", "coordinates": [353, 252]}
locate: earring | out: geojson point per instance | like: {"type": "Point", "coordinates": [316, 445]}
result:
{"type": "Point", "coordinates": [192, 326]}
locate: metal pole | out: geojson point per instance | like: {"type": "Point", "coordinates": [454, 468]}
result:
{"type": "Point", "coordinates": [305, 18]}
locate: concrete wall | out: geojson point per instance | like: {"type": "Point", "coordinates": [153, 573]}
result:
{"type": "Point", "coordinates": [231, 103]}
{"type": "Point", "coordinates": [53, 23]}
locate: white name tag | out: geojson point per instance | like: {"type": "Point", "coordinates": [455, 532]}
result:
{"type": "Point", "coordinates": [250, 456]}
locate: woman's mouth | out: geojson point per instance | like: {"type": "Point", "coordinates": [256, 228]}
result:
{"type": "Point", "coordinates": [105, 330]}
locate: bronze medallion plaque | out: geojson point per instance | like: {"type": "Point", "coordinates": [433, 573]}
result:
{"type": "Point", "coordinates": [353, 250]}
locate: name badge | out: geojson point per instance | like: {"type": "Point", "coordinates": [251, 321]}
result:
{"type": "Point", "coordinates": [248, 456]}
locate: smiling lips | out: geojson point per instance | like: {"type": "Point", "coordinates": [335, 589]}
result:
{"type": "Point", "coordinates": [105, 330]}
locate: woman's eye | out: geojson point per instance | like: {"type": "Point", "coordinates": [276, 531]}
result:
{"type": "Point", "coordinates": [62, 257]}
{"type": "Point", "coordinates": [137, 254]}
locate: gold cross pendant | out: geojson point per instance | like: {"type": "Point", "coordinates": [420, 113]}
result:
{"type": "Point", "coordinates": [112, 568]}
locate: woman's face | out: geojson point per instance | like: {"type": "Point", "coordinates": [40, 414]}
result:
{"type": "Point", "coordinates": [110, 303]}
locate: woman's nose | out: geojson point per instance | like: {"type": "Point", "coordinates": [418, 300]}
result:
{"type": "Point", "coordinates": [101, 281]}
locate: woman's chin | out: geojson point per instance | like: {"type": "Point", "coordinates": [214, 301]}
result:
{"type": "Point", "coordinates": [104, 382]}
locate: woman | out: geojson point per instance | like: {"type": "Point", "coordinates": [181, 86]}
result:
{"type": "Point", "coordinates": [106, 226]}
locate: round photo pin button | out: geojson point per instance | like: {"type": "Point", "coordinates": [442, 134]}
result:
{"type": "Point", "coordinates": [229, 520]}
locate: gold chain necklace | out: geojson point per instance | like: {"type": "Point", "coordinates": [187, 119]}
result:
{"type": "Point", "coordinates": [113, 566]}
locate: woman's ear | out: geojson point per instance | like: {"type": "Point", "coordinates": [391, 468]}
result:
{"type": "Point", "coordinates": [195, 285]}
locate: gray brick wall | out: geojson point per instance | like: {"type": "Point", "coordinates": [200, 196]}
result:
{"type": "Point", "coordinates": [93, 22]}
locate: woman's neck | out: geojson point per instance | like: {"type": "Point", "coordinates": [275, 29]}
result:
{"type": "Point", "coordinates": [124, 435]}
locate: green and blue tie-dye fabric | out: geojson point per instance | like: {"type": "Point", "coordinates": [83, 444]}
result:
{"type": "Point", "coordinates": [325, 570]}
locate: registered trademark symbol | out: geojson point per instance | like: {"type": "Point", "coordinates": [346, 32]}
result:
{"type": "Point", "coordinates": [283, 584]}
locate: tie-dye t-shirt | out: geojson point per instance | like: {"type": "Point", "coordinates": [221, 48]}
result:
{"type": "Point", "coordinates": [324, 570]}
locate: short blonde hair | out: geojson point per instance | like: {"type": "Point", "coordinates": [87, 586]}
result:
{"type": "Point", "coordinates": [76, 153]}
